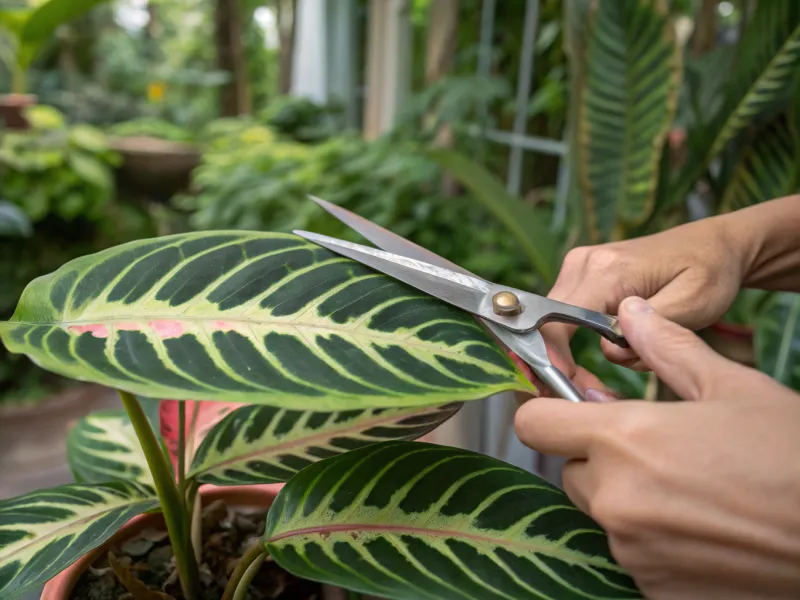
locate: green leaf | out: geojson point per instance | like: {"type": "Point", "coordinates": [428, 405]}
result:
{"type": "Point", "coordinates": [91, 170]}
{"type": "Point", "coordinates": [13, 221]}
{"type": "Point", "coordinates": [13, 20]}
{"type": "Point", "coordinates": [777, 339]}
{"type": "Point", "coordinates": [768, 167]}
{"type": "Point", "coordinates": [407, 520]}
{"type": "Point", "coordinates": [45, 117]}
{"type": "Point", "coordinates": [522, 221]}
{"type": "Point", "coordinates": [762, 80]}
{"type": "Point", "coordinates": [103, 447]}
{"type": "Point", "coordinates": [767, 71]}
{"type": "Point", "coordinates": [44, 532]}
{"type": "Point", "coordinates": [627, 101]}
{"type": "Point", "coordinates": [257, 318]}
{"type": "Point", "coordinates": [262, 444]}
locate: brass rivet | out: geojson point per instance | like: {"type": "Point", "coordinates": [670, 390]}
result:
{"type": "Point", "coordinates": [506, 304]}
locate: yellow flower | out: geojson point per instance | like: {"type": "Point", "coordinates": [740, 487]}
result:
{"type": "Point", "coordinates": [155, 91]}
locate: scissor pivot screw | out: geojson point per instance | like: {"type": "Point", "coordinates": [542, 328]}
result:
{"type": "Point", "coordinates": [506, 304]}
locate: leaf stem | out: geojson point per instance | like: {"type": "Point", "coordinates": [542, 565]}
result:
{"type": "Point", "coordinates": [247, 578]}
{"type": "Point", "coordinates": [238, 577]}
{"type": "Point", "coordinates": [182, 449]}
{"type": "Point", "coordinates": [172, 505]}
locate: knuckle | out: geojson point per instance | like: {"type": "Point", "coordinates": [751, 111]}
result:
{"type": "Point", "coordinates": [605, 258]}
{"type": "Point", "coordinates": [576, 258]}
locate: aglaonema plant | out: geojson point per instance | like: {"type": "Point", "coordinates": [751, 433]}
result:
{"type": "Point", "coordinates": [286, 363]}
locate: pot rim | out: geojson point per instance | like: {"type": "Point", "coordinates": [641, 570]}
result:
{"type": "Point", "coordinates": [60, 587]}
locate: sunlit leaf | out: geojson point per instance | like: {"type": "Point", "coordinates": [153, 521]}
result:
{"type": "Point", "coordinates": [254, 318]}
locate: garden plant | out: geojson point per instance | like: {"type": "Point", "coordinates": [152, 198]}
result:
{"type": "Point", "coordinates": [283, 362]}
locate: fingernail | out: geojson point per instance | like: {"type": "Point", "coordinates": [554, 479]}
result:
{"type": "Point", "coordinates": [637, 306]}
{"type": "Point", "coordinates": [593, 395]}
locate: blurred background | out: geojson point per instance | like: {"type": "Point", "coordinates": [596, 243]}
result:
{"type": "Point", "coordinates": [498, 134]}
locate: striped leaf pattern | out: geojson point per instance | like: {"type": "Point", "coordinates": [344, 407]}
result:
{"type": "Point", "coordinates": [262, 444]}
{"type": "Point", "coordinates": [769, 167]}
{"type": "Point", "coordinates": [103, 447]}
{"type": "Point", "coordinates": [777, 339]}
{"type": "Point", "coordinates": [407, 520]}
{"type": "Point", "coordinates": [254, 318]}
{"type": "Point", "coordinates": [44, 532]}
{"type": "Point", "coordinates": [768, 68]}
{"type": "Point", "coordinates": [627, 100]}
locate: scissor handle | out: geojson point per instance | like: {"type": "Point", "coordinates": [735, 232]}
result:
{"type": "Point", "coordinates": [605, 325]}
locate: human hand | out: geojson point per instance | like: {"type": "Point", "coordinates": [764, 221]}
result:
{"type": "Point", "coordinates": [690, 274]}
{"type": "Point", "coordinates": [699, 498]}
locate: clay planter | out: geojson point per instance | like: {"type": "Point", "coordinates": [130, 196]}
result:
{"type": "Point", "coordinates": [12, 110]}
{"type": "Point", "coordinates": [156, 168]}
{"type": "Point", "coordinates": [60, 587]}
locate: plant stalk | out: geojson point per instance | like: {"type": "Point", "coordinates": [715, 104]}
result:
{"type": "Point", "coordinates": [247, 578]}
{"type": "Point", "coordinates": [172, 505]}
{"type": "Point", "coordinates": [237, 579]}
{"type": "Point", "coordinates": [182, 449]}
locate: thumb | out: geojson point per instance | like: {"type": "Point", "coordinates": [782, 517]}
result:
{"type": "Point", "coordinates": [679, 358]}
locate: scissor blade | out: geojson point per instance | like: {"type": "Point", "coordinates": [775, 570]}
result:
{"type": "Point", "coordinates": [385, 239]}
{"type": "Point", "coordinates": [464, 291]}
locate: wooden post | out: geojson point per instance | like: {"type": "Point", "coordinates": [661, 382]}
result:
{"type": "Point", "coordinates": [234, 95]}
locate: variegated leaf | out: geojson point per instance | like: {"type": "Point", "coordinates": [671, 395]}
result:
{"type": "Point", "coordinates": [767, 71]}
{"type": "Point", "coordinates": [761, 80]}
{"type": "Point", "coordinates": [627, 100]}
{"type": "Point", "coordinates": [103, 447]}
{"type": "Point", "coordinates": [414, 521]}
{"type": "Point", "coordinates": [769, 167]}
{"type": "Point", "coordinates": [259, 318]}
{"type": "Point", "coordinates": [777, 339]}
{"type": "Point", "coordinates": [43, 533]}
{"type": "Point", "coordinates": [201, 417]}
{"type": "Point", "coordinates": [262, 444]}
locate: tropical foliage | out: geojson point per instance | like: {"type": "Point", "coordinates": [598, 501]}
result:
{"type": "Point", "coordinates": [26, 29]}
{"type": "Point", "coordinates": [321, 373]}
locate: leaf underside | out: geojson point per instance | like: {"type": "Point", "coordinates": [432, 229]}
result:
{"type": "Point", "coordinates": [628, 98]}
{"type": "Point", "coordinates": [262, 444]}
{"type": "Point", "coordinates": [407, 520]}
{"type": "Point", "coordinates": [44, 532]}
{"type": "Point", "coordinates": [103, 447]}
{"type": "Point", "coordinates": [255, 318]}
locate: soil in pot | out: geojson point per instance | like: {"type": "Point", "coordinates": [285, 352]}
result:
{"type": "Point", "coordinates": [147, 558]}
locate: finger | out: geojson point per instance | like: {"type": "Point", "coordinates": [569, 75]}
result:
{"type": "Point", "coordinates": [679, 358]}
{"type": "Point", "coordinates": [558, 427]}
{"type": "Point", "coordinates": [575, 481]}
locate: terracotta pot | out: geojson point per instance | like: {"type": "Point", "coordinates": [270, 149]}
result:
{"type": "Point", "coordinates": [60, 587]}
{"type": "Point", "coordinates": [153, 167]}
{"type": "Point", "coordinates": [12, 110]}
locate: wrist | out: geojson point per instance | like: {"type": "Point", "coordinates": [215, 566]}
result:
{"type": "Point", "coordinates": [766, 236]}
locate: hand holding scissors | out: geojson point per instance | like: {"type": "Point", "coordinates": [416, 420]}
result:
{"type": "Point", "coordinates": [513, 316]}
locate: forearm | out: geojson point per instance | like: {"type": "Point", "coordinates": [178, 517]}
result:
{"type": "Point", "coordinates": [768, 236]}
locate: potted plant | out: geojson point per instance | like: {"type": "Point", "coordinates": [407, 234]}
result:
{"type": "Point", "coordinates": [337, 367]}
{"type": "Point", "coordinates": [23, 33]}
{"type": "Point", "coordinates": [158, 157]}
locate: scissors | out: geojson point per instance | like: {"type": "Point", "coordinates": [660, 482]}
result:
{"type": "Point", "coordinates": [513, 316]}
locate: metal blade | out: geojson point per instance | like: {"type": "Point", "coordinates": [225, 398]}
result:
{"type": "Point", "coordinates": [464, 291]}
{"type": "Point", "coordinates": [385, 239]}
